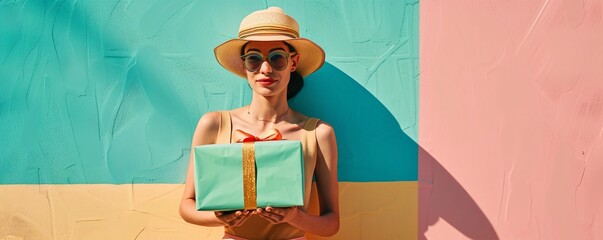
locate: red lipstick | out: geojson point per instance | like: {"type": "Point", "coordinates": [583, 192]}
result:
{"type": "Point", "coordinates": [265, 81]}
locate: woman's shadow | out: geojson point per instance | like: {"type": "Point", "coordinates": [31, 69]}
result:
{"type": "Point", "coordinates": [373, 148]}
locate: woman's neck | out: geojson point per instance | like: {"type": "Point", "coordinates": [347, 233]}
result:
{"type": "Point", "coordinates": [268, 108]}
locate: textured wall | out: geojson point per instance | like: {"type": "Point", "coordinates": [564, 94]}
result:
{"type": "Point", "coordinates": [93, 83]}
{"type": "Point", "coordinates": [98, 101]}
{"type": "Point", "coordinates": [511, 119]}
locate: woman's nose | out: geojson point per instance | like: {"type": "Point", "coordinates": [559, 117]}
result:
{"type": "Point", "coordinates": [265, 68]}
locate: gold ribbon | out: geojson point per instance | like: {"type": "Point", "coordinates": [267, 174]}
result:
{"type": "Point", "coordinates": [249, 191]}
{"type": "Point", "coordinates": [249, 179]}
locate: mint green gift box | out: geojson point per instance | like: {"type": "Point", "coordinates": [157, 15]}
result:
{"type": "Point", "coordinates": [219, 175]}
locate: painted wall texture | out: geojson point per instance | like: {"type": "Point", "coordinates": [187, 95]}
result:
{"type": "Point", "coordinates": [99, 100]}
{"type": "Point", "coordinates": [511, 119]}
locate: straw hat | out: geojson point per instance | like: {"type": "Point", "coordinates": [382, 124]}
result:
{"type": "Point", "coordinates": [271, 24]}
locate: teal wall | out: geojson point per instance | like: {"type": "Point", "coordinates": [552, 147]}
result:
{"type": "Point", "coordinates": [110, 91]}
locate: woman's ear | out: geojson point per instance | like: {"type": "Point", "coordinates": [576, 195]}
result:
{"type": "Point", "coordinates": [294, 60]}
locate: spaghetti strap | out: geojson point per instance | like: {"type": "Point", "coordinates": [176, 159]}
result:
{"type": "Point", "coordinates": [311, 124]}
{"type": "Point", "coordinates": [309, 138]}
{"type": "Point", "coordinates": [225, 130]}
{"type": "Point", "coordinates": [310, 149]}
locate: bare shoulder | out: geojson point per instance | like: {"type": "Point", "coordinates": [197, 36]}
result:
{"type": "Point", "coordinates": [325, 134]}
{"type": "Point", "coordinates": [327, 151]}
{"type": "Point", "coordinates": [207, 128]}
{"type": "Point", "coordinates": [209, 120]}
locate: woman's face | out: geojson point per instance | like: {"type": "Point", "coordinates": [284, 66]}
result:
{"type": "Point", "coordinates": [274, 65]}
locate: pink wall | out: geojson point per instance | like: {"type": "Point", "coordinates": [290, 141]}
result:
{"type": "Point", "coordinates": [511, 119]}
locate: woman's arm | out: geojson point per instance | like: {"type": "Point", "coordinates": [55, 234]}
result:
{"type": "Point", "coordinates": [205, 133]}
{"type": "Point", "coordinates": [327, 224]}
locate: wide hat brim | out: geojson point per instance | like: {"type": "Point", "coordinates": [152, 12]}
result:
{"type": "Point", "coordinates": [311, 56]}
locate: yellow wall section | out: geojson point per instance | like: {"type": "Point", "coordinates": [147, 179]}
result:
{"type": "Point", "coordinates": [378, 210]}
{"type": "Point", "coordinates": [150, 211]}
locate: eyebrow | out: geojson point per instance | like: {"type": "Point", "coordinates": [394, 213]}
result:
{"type": "Point", "coordinates": [258, 50]}
{"type": "Point", "coordinates": [274, 49]}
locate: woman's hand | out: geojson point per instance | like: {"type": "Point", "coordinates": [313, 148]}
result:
{"type": "Point", "coordinates": [278, 215]}
{"type": "Point", "coordinates": [233, 218]}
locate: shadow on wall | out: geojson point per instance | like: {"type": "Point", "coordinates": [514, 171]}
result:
{"type": "Point", "coordinates": [442, 196]}
{"type": "Point", "coordinates": [372, 146]}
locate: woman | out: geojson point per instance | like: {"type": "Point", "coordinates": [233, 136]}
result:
{"type": "Point", "coordinates": [274, 60]}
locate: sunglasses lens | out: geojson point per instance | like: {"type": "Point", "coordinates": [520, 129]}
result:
{"type": "Point", "coordinates": [253, 62]}
{"type": "Point", "coordinates": [278, 61]}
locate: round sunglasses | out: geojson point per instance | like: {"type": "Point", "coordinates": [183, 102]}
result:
{"type": "Point", "coordinates": [277, 60]}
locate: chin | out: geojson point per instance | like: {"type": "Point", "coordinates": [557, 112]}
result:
{"type": "Point", "coordinates": [265, 92]}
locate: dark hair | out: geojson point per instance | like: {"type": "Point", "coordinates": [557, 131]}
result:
{"type": "Point", "coordinates": [296, 81]}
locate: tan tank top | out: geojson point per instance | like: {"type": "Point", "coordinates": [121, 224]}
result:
{"type": "Point", "coordinates": [256, 227]}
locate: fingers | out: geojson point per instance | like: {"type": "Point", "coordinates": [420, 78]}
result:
{"type": "Point", "coordinates": [276, 215]}
{"type": "Point", "coordinates": [233, 218]}
{"type": "Point", "coordinates": [273, 215]}
{"type": "Point", "coordinates": [270, 216]}
{"type": "Point", "coordinates": [240, 219]}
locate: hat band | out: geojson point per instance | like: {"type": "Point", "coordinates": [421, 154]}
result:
{"type": "Point", "coordinates": [268, 30]}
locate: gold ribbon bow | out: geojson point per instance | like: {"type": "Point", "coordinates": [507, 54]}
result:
{"type": "Point", "coordinates": [249, 183]}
